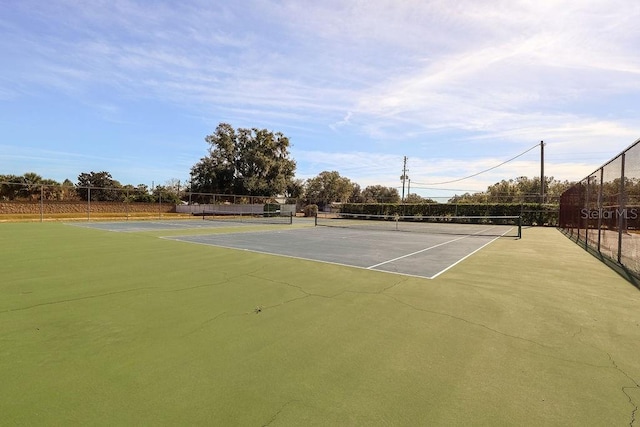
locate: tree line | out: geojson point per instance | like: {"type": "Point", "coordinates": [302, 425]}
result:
{"type": "Point", "coordinates": [96, 186]}
{"type": "Point", "coordinates": [519, 190]}
{"type": "Point", "coordinates": [251, 162]}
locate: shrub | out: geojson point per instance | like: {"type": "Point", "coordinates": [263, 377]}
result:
{"type": "Point", "coordinates": [310, 210]}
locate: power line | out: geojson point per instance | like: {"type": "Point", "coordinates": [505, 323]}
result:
{"type": "Point", "coordinates": [446, 189]}
{"type": "Point", "coordinates": [481, 172]}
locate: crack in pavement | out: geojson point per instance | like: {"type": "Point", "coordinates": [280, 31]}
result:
{"type": "Point", "coordinates": [380, 292]}
{"type": "Point", "coordinates": [273, 418]}
{"type": "Point", "coordinates": [635, 386]}
{"type": "Point", "coordinates": [206, 285]}
{"type": "Point", "coordinates": [311, 294]}
{"type": "Point", "coordinates": [298, 287]}
{"type": "Point", "coordinates": [223, 281]}
{"type": "Point", "coordinates": [439, 313]}
{"type": "Point", "coordinates": [74, 299]}
{"type": "Point", "coordinates": [203, 324]}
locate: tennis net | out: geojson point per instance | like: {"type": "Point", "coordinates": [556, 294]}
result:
{"type": "Point", "coordinates": [499, 226]}
{"type": "Point", "coordinates": [249, 217]}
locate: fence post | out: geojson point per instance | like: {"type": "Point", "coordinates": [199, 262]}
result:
{"type": "Point", "coordinates": [42, 203]}
{"type": "Point", "coordinates": [586, 225]}
{"type": "Point", "coordinates": [600, 190]}
{"type": "Point", "coordinates": [622, 215]}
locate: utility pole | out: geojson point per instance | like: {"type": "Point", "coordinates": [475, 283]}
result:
{"type": "Point", "coordinates": [404, 176]}
{"type": "Point", "coordinates": [542, 180]}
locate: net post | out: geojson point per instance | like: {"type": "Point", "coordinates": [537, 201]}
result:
{"type": "Point", "coordinates": [290, 218]}
{"type": "Point", "coordinates": [315, 219]}
{"type": "Point", "coordinates": [519, 226]}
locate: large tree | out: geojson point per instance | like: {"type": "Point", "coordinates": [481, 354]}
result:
{"type": "Point", "coordinates": [168, 193]}
{"type": "Point", "coordinates": [380, 194]}
{"type": "Point", "coordinates": [295, 189]}
{"type": "Point", "coordinates": [68, 190]}
{"type": "Point", "coordinates": [32, 183]}
{"type": "Point", "coordinates": [10, 186]}
{"type": "Point", "coordinates": [414, 198]}
{"type": "Point", "coordinates": [328, 187]}
{"type": "Point", "coordinates": [101, 186]}
{"type": "Point", "coordinates": [244, 161]}
{"type": "Point", "coordinates": [140, 193]}
{"type": "Point", "coordinates": [356, 194]}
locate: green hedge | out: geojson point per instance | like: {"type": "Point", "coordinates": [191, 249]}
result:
{"type": "Point", "coordinates": [532, 213]}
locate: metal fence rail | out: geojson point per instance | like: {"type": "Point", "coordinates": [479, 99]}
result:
{"type": "Point", "coordinates": [602, 211]}
{"type": "Point", "coordinates": [38, 201]}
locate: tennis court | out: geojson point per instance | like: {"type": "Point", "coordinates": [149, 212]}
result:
{"type": "Point", "coordinates": [415, 254]}
{"type": "Point", "coordinates": [126, 328]}
{"type": "Point", "coordinates": [421, 250]}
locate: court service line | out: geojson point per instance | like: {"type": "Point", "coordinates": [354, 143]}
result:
{"type": "Point", "coordinates": [416, 252]}
{"type": "Point", "coordinates": [467, 256]}
{"type": "Point", "coordinates": [463, 258]}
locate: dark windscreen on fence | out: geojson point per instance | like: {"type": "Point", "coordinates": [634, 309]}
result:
{"type": "Point", "coordinates": [602, 211]}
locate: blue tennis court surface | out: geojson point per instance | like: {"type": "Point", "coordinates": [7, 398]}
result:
{"type": "Point", "coordinates": [417, 254]}
{"type": "Point", "coordinates": [413, 254]}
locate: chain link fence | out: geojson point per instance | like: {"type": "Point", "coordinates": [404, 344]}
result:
{"type": "Point", "coordinates": [602, 211]}
{"type": "Point", "coordinates": [40, 202]}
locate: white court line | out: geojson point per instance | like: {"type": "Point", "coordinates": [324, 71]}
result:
{"type": "Point", "coordinates": [467, 256]}
{"type": "Point", "coordinates": [463, 258]}
{"type": "Point", "coordinates": [415, 253]}
{"type": "Point", "coordinates": [442, 244]}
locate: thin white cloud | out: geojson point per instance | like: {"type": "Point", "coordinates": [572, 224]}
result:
{"type": "Point", "coordinates": [344, 122]}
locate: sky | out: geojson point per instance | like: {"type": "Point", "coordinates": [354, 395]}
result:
{"type": "Point", "coordinates": [456, 87]}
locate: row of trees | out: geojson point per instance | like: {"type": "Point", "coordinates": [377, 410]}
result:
{"type": "Point", "coordinates": [99, 186]}
{"type": "Point", "coordinates": [326, 188]}
{"type": "Point", "coordinates": [329, 187]}
{"type": "Point", "coordinates": [31, 186]}
{"type": "Point", "coordinates": [519, 190]}
{"type": "Point", "coordinates": [254, 162]}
